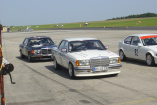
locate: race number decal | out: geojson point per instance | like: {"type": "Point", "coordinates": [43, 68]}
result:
{"type": "Point", "coordinates": [136, 52]}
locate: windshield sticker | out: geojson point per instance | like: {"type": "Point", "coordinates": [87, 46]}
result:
{"type": "Point", "coordinates": [145, 37]}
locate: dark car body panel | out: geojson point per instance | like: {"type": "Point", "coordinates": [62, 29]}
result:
{"type": "Point", "coordinates": [39, 50]}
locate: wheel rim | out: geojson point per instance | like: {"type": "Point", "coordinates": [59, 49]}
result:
{"type": "Point", "coordinates": [149, 60]}
{"type": "Point", "coordinates": [55, 63]}
{"type": "Point", "coordinates": [20, 54]}
{"type": "Point", "coordinates": [121, 55]}
{"type": "Point", "coordinates": [29, 58]}
{"type": "Point", "coordinates": [70, 70]}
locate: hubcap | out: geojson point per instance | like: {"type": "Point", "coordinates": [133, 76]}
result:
{"type": "Point", "coordinates": [20, 54]}
{"type": "Point", "coordinates": [121, 55]}
{"type": "Point", "coordinates": [149, 60]}
{"type": "Point", "coordinates": [29, 58]}
{"type": "Point", "coordinates": [55, 63]}
{"type": "Point", "coordinates": [70, 70]}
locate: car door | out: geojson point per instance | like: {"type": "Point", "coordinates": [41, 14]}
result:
{"type": "Point", "coordinates": [59, 52]}
{"type": "Point", "coordinates": [24, 47]}
{"type": "Point", "coordinates": [126, 46]}
{"type": "Point", "coordinates": [135, 50]}
{"type": "Point", "coordinates": [64, 56]}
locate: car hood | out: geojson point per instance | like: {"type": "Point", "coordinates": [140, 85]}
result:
{"type": "Point", "coordinates": [92, 53]}
{"type": "Point", "coordinates": [153, 48]}
{"type": "Point", "coordinates": [43, 46]}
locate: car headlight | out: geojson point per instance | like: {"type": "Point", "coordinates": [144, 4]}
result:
{"type": "Point", "coordinates": [37, 51]}
{"type": "Point", "coordinates": [115, 60]}
{"type": "Point", "coordinates": [82, 62]}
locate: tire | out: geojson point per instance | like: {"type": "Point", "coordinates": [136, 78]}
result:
{"type": "Point", "coordinates": [71, 71]}
{"type": "Point", "coordinates": [122, 56]}
{"type": "Point", "coordinates": [149, 60]}
{"type": "Point", "coordinates": [29, 58]}
{"type": "Point", "coordinates": [56, 65]}
{"type": "Point", "coordinates": [21, 55]}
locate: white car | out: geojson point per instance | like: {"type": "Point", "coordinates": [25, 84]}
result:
{"type": "Point", "coordinates": [139, 46]}
{"type": "Point", "coordinates": [86, 57]}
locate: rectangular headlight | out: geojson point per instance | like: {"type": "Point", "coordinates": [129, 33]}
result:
{"type": "Point", "coordinates": [114, 60]}
{"type": "Point", "coordinates": [37, 51]}
{"type": "Point", "coordinates": [82, 62]}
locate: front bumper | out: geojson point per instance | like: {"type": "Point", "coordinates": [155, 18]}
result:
{"type": "Point", "coordinates": [41, 56]}
{"type": "Point", "coordinates": [88, 71]}
{"type": "Point", "coordinates": [155, 59]}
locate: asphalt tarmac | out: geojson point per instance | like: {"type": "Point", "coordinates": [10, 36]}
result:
{"type": "Point", "coordinates": [38, 83]}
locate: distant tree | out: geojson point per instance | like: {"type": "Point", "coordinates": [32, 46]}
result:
{"type": "Point", "coordinates": [136, 16]}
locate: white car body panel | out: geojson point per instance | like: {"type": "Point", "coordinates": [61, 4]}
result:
{"type": "Point", "coordinates": [64, 58]}
{"type": "Point", "coordinates": [141, 51]}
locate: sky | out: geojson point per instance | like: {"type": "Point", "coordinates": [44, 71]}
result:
{"type": "Point", "coordinates": [39, 12]}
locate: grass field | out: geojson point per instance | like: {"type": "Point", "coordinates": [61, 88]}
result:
{"type": "Point", "coordinates": [108, 23]}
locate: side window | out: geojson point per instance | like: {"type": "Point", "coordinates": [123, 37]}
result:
{"type": "Point", "coordinates": [128, 40]}
{"type": "Point", "coordinates": [50, 41]}
{"type": "Point", "coordinates": [66, 45]}
{"type": "Point", "coordinates": [135, 40]}
{"type": "Point", "coordinates": [61, 45]}
{"type": "Point", "coordinates": [25, 41]}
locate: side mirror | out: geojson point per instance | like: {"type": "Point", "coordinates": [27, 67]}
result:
{"type": "Point", "coordinates": [139, 45]}
{"type": "Point", "coordinates": [25, 44]}
{"type": "Point", "coordinates": [64, 50]}
{"type": "Point", "coordinates": [107, 47]}
{"type": "Point", "coordinates": [55, 42]}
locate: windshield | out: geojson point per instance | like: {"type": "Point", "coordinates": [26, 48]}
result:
{"type": "Point", "coordinates": [85, 45]}
{"type": "Point", "coordinates": [149, 41]}
{"type": "Point", "coordinates": [40, 41]}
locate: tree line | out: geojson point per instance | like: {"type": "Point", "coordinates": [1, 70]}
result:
{"type": "Point", "coordinates": [136, 16]}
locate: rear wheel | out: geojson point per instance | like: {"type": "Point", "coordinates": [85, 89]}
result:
{"type": "Point", "coordinates": [56, 65]}
{"type": "Point", "coordinates": [122, 56]}
{"type": "Point", "coordinates": [21, 55]}
{"type": "Point", "coordinates": [149, 60]}
{"type": "Point", "coordinates": [71, 71]}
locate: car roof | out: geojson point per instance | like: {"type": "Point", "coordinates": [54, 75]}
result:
{"type": "Point", "coordinates": [80, 39]}
{"type": "Point", "coordinates": [139, 35]}
{"type": "Point", "coordinates": [36, 37]}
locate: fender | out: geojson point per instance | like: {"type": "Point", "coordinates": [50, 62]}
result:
{"type": "Point", "coordinates": [122, 50]}
{"type": "Point", "coordinates": [120, 47]}
{"type": "Point", "coordinates": [151, 52]}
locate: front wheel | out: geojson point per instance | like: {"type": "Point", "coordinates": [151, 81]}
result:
{"type": "Point", "coordinates": [71, 71]}
{"type": "Point", "coordinates": [149, 60]}
{"type": "Point", "coordinates": [122, 56]}
{"type": "Point", "coordinates": [29, 58]}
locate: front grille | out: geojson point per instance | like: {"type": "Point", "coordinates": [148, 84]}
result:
{"type": "Point", "coordinates": [99, 61]}
{"type": "Point", "coordinates": [49, 51]}
{"type": "Point", "coordinates": [46, 51]}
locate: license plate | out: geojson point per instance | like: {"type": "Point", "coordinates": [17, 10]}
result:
{"type": "Point", "coordinates": [101, 68]}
